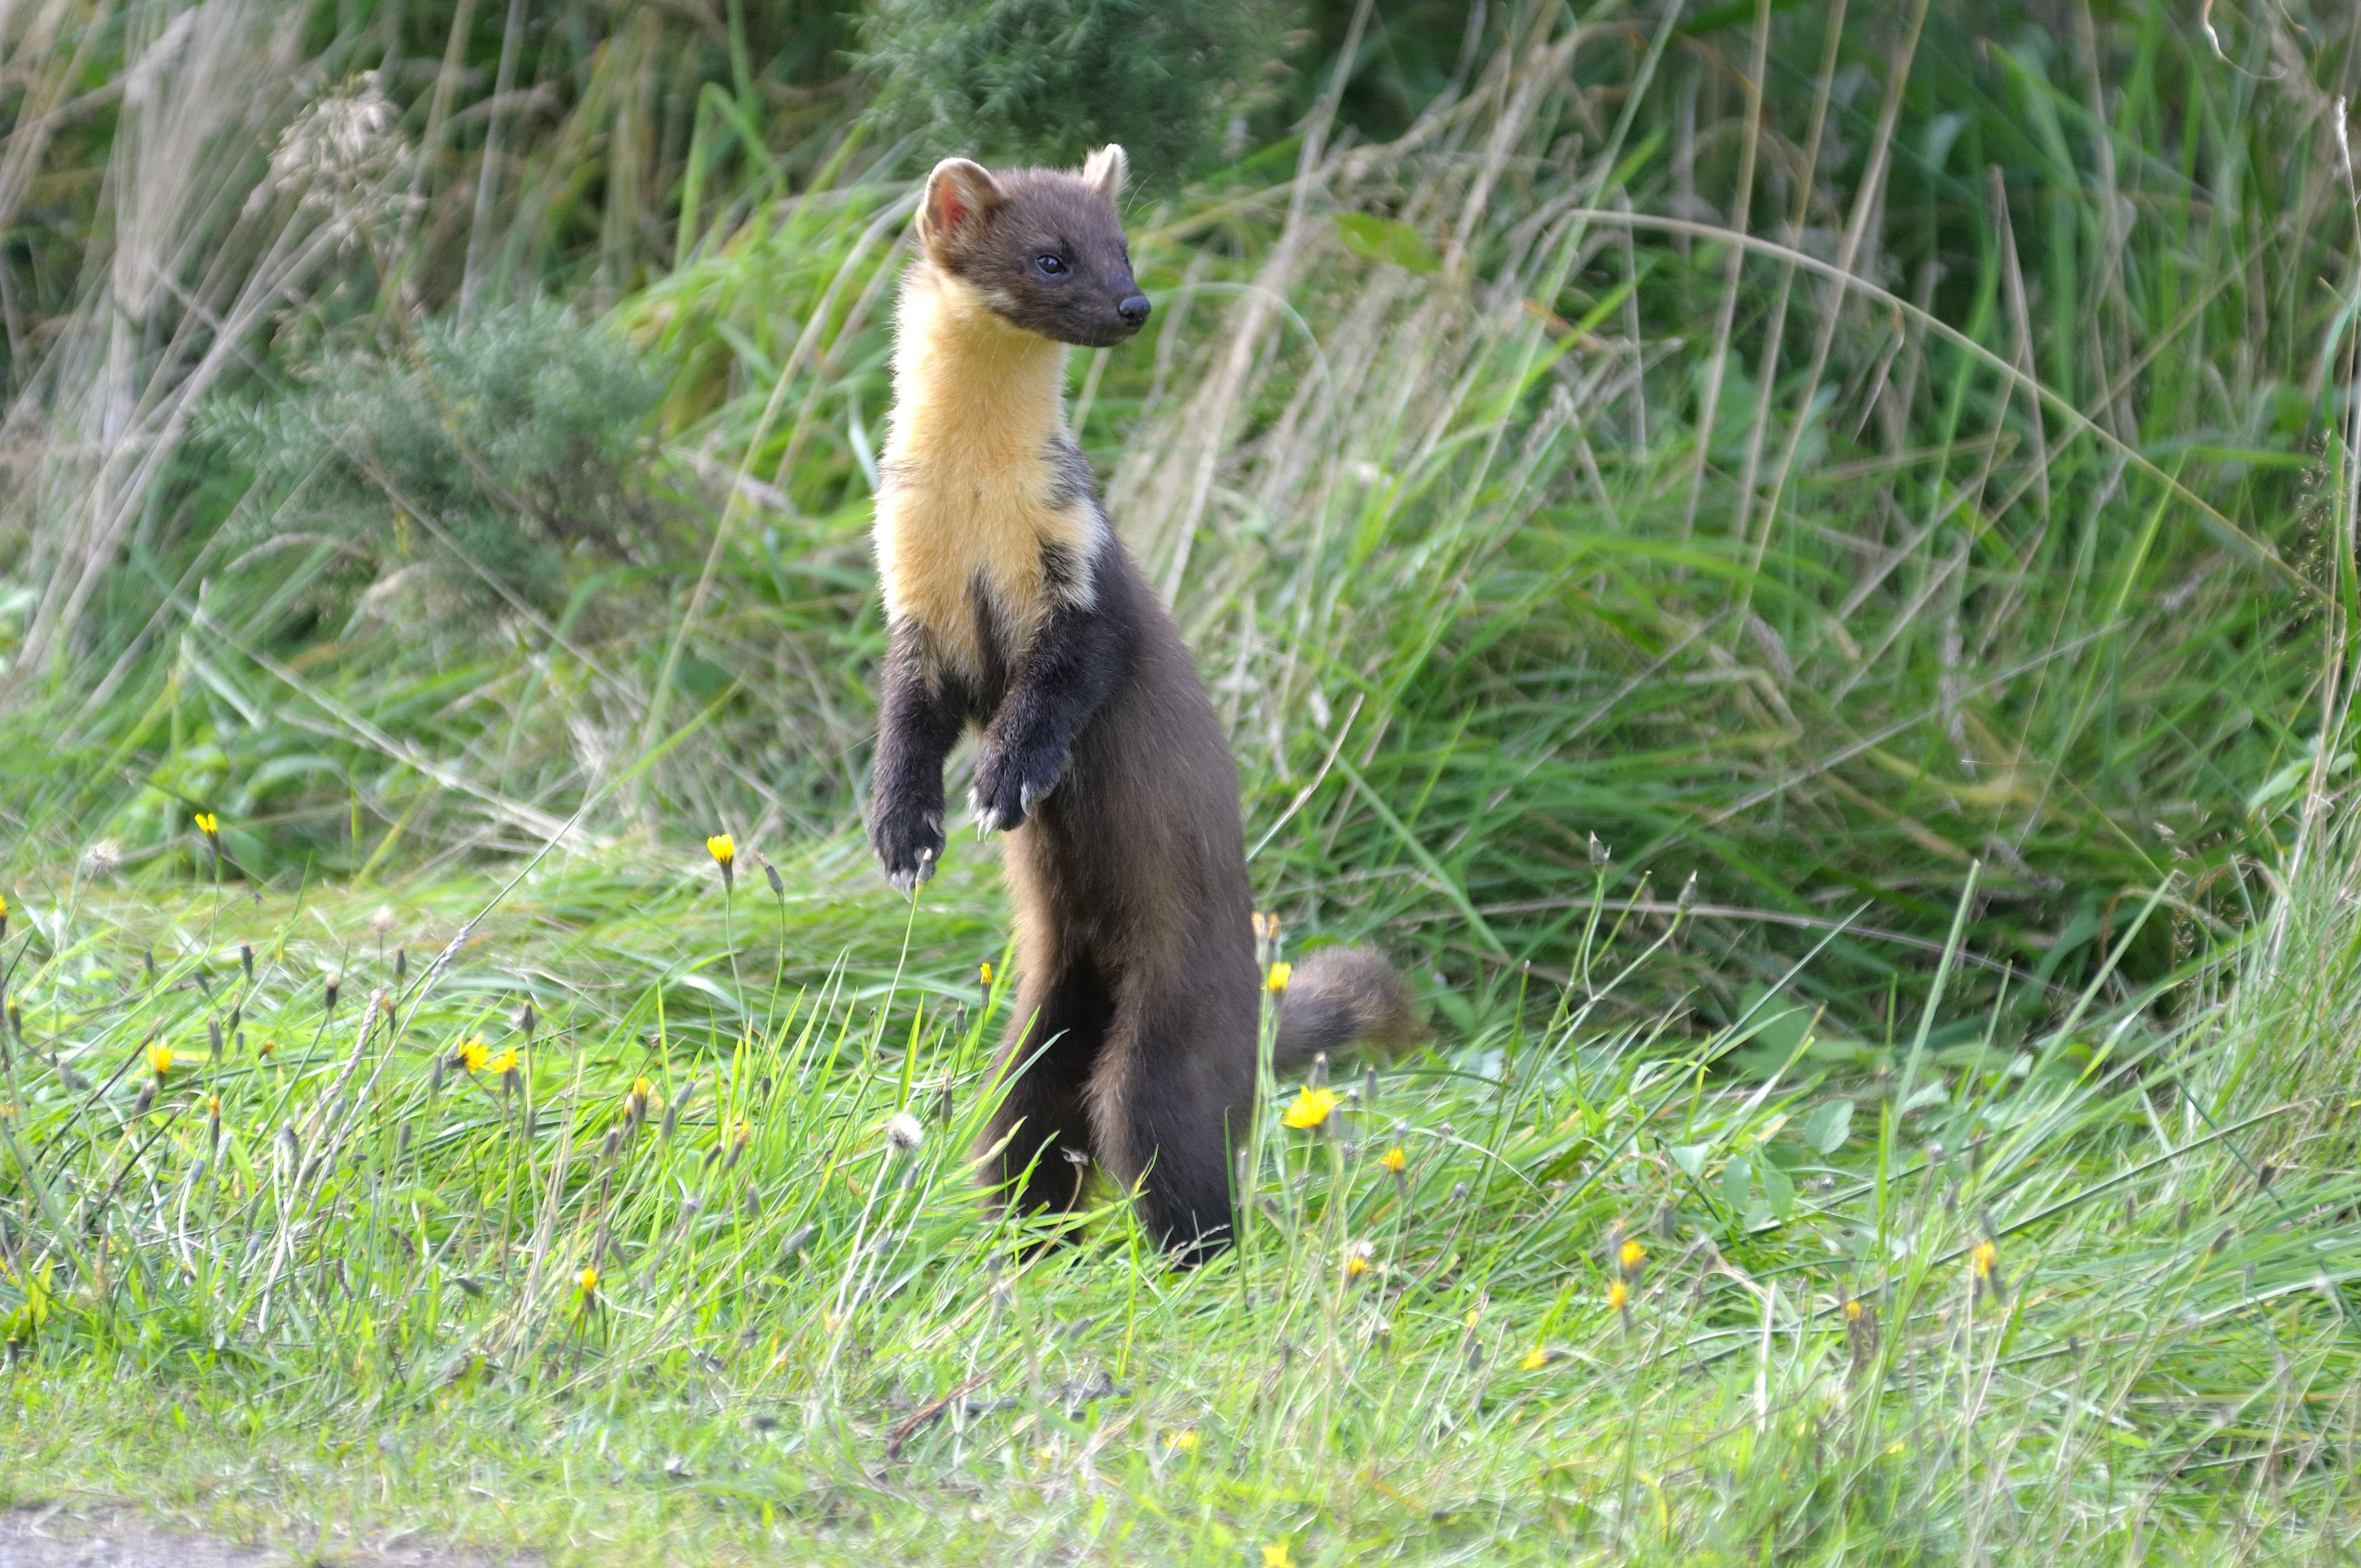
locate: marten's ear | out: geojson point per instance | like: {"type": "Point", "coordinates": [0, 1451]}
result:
{"type": "Point", "coordinates": [958, 192]}
{"type": "Point", "coordinates": [1105, 171]}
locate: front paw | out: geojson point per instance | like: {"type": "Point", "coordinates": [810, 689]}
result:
{"type": "Point", "coordinates": [1008, 780]}
{"type": "Point", "coordinates": [908, 839]}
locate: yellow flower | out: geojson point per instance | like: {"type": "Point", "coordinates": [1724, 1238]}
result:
{"type": "Point", "coordinates": [472, 1054]}
{"type": "Point", "coordinates": [983, 974]}
{"type": "Point", "coordinates": [209, 824]}
{"type": "Point", "coordinates": [1394, 1160]}
{"type": "Point", "coordinates": [1280, 975]}
{"type": "Point", "coordinates": [1184, 1440]}
{"type": "Point", "coordinates": [1618, 1296]}
{"type": "Point", "coordinates": [1470, 1319]}
{"type": "Point", "coordinates": [1275, 1556]}
{"type": "Point", "coordinates": [1985, 1255]}
{"type": "Point", "coordinates": [1309, 1108]}
{"type": "Point", "coordinates": [724, 851]}
{"type": "Point", "coordinates": [588, 1279]}
{"type": "Point", "coordinates": [1630, 1256]}
{"type": "Point", "coordinates": [160, 1059]}
{"type": "Point", "coordinates": [1535, 1358]}
{"type": "Point", "coordinates": [1357, 1259]}
{"type": "Point", "coordinates": [1853, 1311]}
{"type": "Point", "coordinates": [504, 1062]}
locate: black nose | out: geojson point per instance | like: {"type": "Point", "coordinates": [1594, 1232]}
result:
{"type": "Point", "coordinates": [1134, 309]}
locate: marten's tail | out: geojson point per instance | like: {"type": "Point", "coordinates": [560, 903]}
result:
{"type": "Point", "coordinates": [1342, 997]}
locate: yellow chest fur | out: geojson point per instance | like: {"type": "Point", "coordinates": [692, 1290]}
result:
{"type": "Point", "coordinates": [973, 490]}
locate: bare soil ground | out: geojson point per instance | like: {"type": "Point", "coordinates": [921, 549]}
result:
{"type": "Point", "coordinates": [57, 1537]}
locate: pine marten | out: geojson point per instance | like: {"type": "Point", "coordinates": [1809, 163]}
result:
{"type": "Point", "coordinates": [1012, 607]}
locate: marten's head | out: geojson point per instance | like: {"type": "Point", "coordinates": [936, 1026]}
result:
{"type": "Point", "coordinates": [1042, 246]}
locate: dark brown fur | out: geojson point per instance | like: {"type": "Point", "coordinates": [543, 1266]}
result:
{"type": "Point", "coordinates": [1133, 1039]}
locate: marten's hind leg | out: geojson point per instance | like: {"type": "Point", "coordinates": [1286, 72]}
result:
{"type": "Point", "coordinates": [1171, 1098]}
{"type": "Point", "coordinates": [1053, 1042]}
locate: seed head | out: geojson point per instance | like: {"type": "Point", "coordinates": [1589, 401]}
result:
{"type": "Point", "coordinates": [904, 1131]}
{"type": "Point", "coordinates": [381, 921]}
{"type": "Point", "coordinates": [328, 989]}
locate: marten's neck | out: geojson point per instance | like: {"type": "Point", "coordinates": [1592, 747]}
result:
{"type": "Point", "coordinates": [972, 393]}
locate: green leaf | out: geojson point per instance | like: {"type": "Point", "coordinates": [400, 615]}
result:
{"type": "Point", "coordinates": [1387, 239]}
{"type": "Point", "coordinates": [1737, 1184]}
{"type": "Point", "coordinates": [1690, 1157]}
{"type": "Point", "coordinates": [1779, 1190]}
{"type": "Point", "coordinates": [1827, 1127]}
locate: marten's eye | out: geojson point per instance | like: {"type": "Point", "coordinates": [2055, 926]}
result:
{"type": "Point", "coordinates": [1054, 266]}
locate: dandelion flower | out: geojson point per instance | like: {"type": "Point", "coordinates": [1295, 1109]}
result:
{"type": "Point", "coordinates": [160, 1059]}
{"type": "Point", "coordinates": [588, 1280]}
{"type": "Point", "coordinates": [210, 826]}
{"type": "Point", "coordinates": [1985, 1255]}
{"type": "Point", "coordinates": [1275, 1556]}
{"type": "Point", "coordinates": [1853, 1311]}
{"type": "Point", "coordinates": [1310, 1107]}
{"type": "Point", "coordinates": [904, 1131]}
{"type": "Point", "coordinates": [1470, 1320]}
{"type": "Point", "coordinates": [1357, 1259]}
{"type": "Point", "coordinates": [1394, 1161]}
{"type": "Point", "coordinates": [1280, 974]}
{"type": "Point", "coordinates": [1630, 1256]}
{"type": "Point", "coordinates": [724, 851]}
{"type": "Point", "coordinates": [1535, 1358]}
{"type": "Point", "coordinates": [3, 915]}
{"type": "Point", "coordinates": [504, 1062]}
{"type": "Point", "coordinates": [1618, 1296]}
{"type": "Point", "coordinates": [1182, 1441]}
{"type": "Point", "coordinates": [472, 1054]}
{"type": "Point", "coordinates": [983, 974]}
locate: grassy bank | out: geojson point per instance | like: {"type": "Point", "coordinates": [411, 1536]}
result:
{"type": "Point", "coordinates": [2087, 1295]}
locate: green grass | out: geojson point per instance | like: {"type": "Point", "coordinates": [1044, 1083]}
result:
{"type": "Point", "coordinates": [362, 1303]}
{"type": "Point", "coordinates": [1976, 634]}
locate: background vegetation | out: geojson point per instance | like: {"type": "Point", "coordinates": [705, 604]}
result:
{"type": "Point", "coordinates": [1794, 562]}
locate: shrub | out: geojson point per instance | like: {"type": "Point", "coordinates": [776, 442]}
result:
{"type": "Point", "coordinates": [1048, 80]}
{"type": "Point", "coordinates": [475, 466]}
